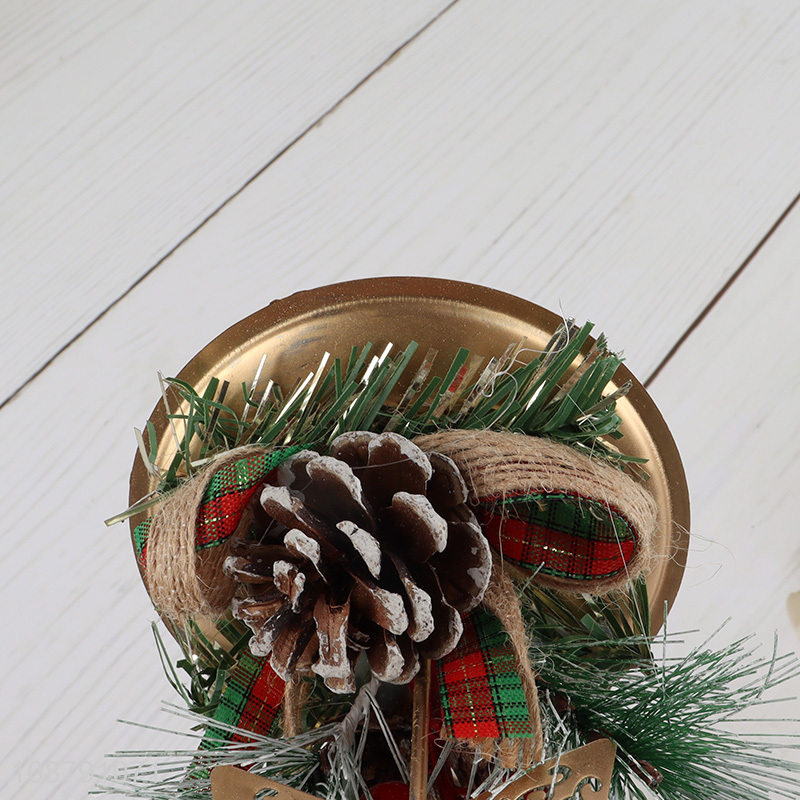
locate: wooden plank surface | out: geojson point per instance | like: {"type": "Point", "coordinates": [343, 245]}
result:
{"type": "Point", "coordinates": [731, 396]}
{"type": "Point", "coordinates": [618, 160]}
{"type": "Point", "coordinates": [612, 160]}
{"type": "Point", "coordinates": [123, 125]}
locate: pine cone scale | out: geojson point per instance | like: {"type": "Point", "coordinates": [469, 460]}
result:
{"type": "Point", "coordinates": [383, 607]}
{"type": "Point", "coordinates": [249, 571]}
{"type": "Point", "coordinates": [268, 632]}
{"type": "Point", "coordinates": [290, 581]}
{"type": "Point", "coordinates": [290, 511]}
{"type": "Point", "coordinates": [394, 461]}
{"type": "Point", "coordinates": [356, 539]}
{"type": "Point", "coordinates": [447, 625]}
{"type": "Point", "coordinates": [419, 605]}
{"type": "Point", "coordinates": [290, 644]}
{"type": "Point", "coordinates": [331, 622]}
{"type": "Point", "coordinates": [464, 566]}
{"type": "Point", "coordinates": [385, 657]}
{"type": "Point", "coordinates": [447, 489]}
{"type": "Point", "coordinates": [417, 530]}
{"type": "Point", "coordinates": [334, 489]}
{"type": "Point", "coordinates": [365, 544]}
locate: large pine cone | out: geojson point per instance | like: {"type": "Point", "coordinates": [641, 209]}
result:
{"type": "Point", "coordinates": [370, 548]}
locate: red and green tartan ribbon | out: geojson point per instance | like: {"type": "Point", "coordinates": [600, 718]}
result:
{"type": "Point", "coordinates": [559, 534]}
{"type": "Point", "coordinates": [480, 692]}
{"type": "Point", "coordinates": [226, 495]}
{"type": "Point", "coordinates": [251, 699]}
{"type": "Point", "coordinates": [252, 694]}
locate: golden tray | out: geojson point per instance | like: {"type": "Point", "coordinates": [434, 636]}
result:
{"type": "Point", "coordinates": [296, 331]}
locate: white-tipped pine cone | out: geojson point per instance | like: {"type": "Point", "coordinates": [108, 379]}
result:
{"type": "Point", "coordinates": [370, 548]}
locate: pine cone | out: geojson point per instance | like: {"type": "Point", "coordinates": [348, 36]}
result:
{"type": "Point", "coordinates": [370, 548]}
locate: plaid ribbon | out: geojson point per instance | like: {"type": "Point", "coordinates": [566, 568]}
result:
{"type": "Point", "coordinates": [252, 694]}
{"type": "Point", "coordinates": [560, 534]}
{"type": "Point", "coordinates": [480, 694]}
{"type": "Point", "coordinates": [251, 699]}
{"type": "Point", "coordinates": [226, 495]}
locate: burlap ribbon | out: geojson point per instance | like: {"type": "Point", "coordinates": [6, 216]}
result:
{"type": "Point", "coordinates": [213, 503]}
{"type": "Point", "coordinates": [182, 547]}
{"type": "Point", "coordinates": [580, 524]}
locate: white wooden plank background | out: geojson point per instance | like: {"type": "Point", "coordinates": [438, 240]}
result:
{"type": "Point", "coordinates": [731, 395]}
{"type": "Point", "coordinates": [618, 160]}
{"type": "Point", "coordinates": [123, 125]}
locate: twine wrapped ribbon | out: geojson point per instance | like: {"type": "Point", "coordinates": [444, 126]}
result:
{"type": "Point", "coordinates": [581, 525]}
{"type": "Point", "coordinates": [597, 535]}
{"type": "Point", "coordinates": [182, 547]}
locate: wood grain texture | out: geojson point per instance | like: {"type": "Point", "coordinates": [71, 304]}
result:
{"type": "Point", "coordinates": [123, 125]}
{"type": "Point", "coordinates": [617, 159]}
{"type": "Point", "coordinates": [731, 396]}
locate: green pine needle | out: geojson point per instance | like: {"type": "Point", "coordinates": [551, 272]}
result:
{"type": "Point", "coordinates": [205, 663]}
{"type": "Point", "coordinates": [534, 398]}
{"type": "Point", "coordinates": [683, 716]}
{"type": "Point", "coordinates": [183, 774]}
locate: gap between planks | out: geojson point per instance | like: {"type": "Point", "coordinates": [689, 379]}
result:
{"type": "Point", "coordinates": [719, 295]}
{"type": "Point", "coordinates": [390, 58]}
{"type": "Point", "coordinates": [149, 271]}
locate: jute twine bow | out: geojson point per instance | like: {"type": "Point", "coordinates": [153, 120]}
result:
{"type": "Point", "coordinates": [498, 465]}
{"type": "Point", "coordinates": [501, 600]}
{"type": "Point", "coordinates": [184, 582]}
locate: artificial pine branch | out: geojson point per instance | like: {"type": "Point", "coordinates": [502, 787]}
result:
{"type": "Point", "coordinates": [533, 398]}
{"type": "Point", "coordinates": [183, 774]}
{"type": "Point", "coordinates": [678, 717]}
{"type": "Point", "coordinates": [205, 663]}
{"type": "Point", "coordinates": [327, 761]}
{"type": "Point", "coordinates": [671, 717]}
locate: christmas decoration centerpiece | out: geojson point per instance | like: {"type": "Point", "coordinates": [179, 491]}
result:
{"type": "Point", "coordinates": [416, 538]}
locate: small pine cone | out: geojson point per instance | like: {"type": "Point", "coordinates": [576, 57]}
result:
{"type": "Point", "coordinates": [370, 548]}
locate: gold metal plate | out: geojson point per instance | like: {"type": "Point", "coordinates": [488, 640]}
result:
{"type": "Point", "coordinates": [558, 778]}
{"type": "Point", "coordinates": [296, 331]}
{"type": "Point", "coordinates": [232, 783]}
